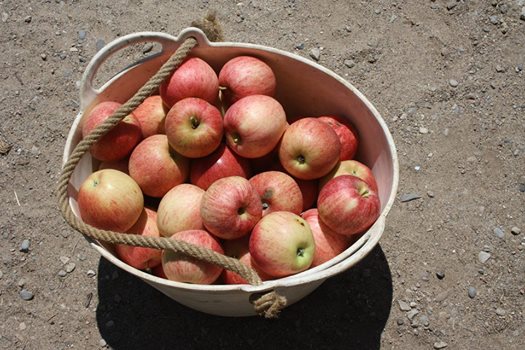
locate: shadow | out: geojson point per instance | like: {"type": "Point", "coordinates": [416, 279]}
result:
{"type": "Point", "coordinates": [348, 311]}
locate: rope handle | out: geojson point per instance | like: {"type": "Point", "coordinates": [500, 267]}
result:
{"type": "Point", "coordinates": [268, 305]}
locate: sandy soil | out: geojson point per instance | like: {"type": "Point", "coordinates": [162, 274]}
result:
{"type": "Point", "coordinates": [448, 79]}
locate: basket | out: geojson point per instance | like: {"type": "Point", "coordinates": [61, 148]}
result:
{"type": "Point", "coordinates": [303, 88]}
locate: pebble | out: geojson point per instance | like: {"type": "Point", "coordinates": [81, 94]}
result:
{"type": "Point", "coordinates": [440, 275]}
{"type": "Point", "coordinates": [494, 19]}
{"type": "Point", "coordinates": [70, 267]}
{"type": "Point", "coordinates": [424, 320]}
{"type": "Point", "coordinates": [102, 342]}
{"type": "Point", "coordinates": [413, 304]}
{"type": "Point", "coordinates": [430, 194]}
{"type": "Point", "coordinates": [28, 19]}
{"type": "Point", "coordinates": [315, 53]}
{"type": "Point", "coordinates": [499, 69]}
{"type": "Point", "coordinates": [500, 312]}
{"type": "Point", "coordinates": [64, 259]}
{"type": "Point", "coordinates": [522, 15]}
{"type": "Point", "coordinates": [5, 16]}
{"type": "Point", "coordinates": [403, 306]}
{"type": "Point", "coordinates": [423, 130]}
{"type": "Point", "coordinates": [515, 230]}
{"type": "Point", "coordinates": [91, 273]}
{"type": "Point", "coordinates": [147, 48]}
{"type": "Point", "coordinates": [400, 322]}
{"type": "Point", "coordinates": [451, 5]}
{"type": "Point", "coordinates": [407, 197]}
{"type": "Point", "coordinates": [62, 273]}
{"type": "Point", "coordinates": [350, 63]}
{"type": "Point", "coordinates": [499, 232]}
{"type": "Point", "coordinates": [43, 56]}
{"type": "Point", "coordinates": [299, 46]}
{"type": "Point", "coordinates": [412, 313]}
{"type": "Point", "coordinates": [521, 187]}
{"type": "Point", "coordinates": [82, 34]}
{"type": "Point", "coordinates": [483, 257]}
{"type": "Point", "coordinates": [26, 295]}
{"type": "Point", "coordinates": [518, 68]}
{"type": "Point", "coordinates": [21, 282]}
{"type": "Point", "coordinates": [100, 44]}
{"type": "Point", "coordinates": [24, 247]}
{"type": "Point", "coordinates": [440, 345]}
{"type": "Point", "coordinates": [453, 82]}
{"type": "Point", "coordinates": [472, 292]}
{"type": "Point", "coordinates": [22, 326]}
{"type": "Point", "coordinates": [417, 168]}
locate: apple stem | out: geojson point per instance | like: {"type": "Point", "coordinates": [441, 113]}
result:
{"type": "Point", "coordinates": [236, 139]}
{"type": "Point", "coordinates": [300, 251]}
{"type": "Point", "coordinates": [241, 211]}
{"type": "Point", "coordinates": [300, 159]}
{"type": "Point", "coordinates": [194, 122]}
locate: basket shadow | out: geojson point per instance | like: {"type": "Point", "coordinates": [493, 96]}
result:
{"type": "Point", "coordinates": [348, 311]}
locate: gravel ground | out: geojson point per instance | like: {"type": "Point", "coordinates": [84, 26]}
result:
{"type": "Point", "coordinates": [448, 78]}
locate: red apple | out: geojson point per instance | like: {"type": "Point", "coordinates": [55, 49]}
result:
{"type": "Point", "coordinates": [348, 205]}
{"type": "Point", "coordinates": [194, 78]}
{"type": "Point", "coordinates": [278, 192]}
{"type": "Point", "coordinates": [221, 163]}
{"type": "Point", "coordinates": [309, 149]}
{"type": "Point", "coordinates": [139, 257]}
{"type": "Point", "coordinates": [230, 207]}
{"type": "Point", "coordinates": [179, 267]}
{"type": "Point", "coordinates": [346, 133]}
{"type": "Point", "coordinates": [120, 165]}
{"type": "Point", "coordinates": [282, 244]}
{"type": "Point", "coordinates": [156, 167]}
{"type": "Point", "coordinates": [194, 127]}
{"type": "Point", "coordinates": [179, 210]}
{"type": "Point", "coordinates": [244, 76]}
{"type": "Point", "coordinates": [351, 167]}
{"type": "Point", "coordinates": [254, 125]}
{"type": "Point", "coordinates": [151, 115]}
{"type": "Point", "coordinates": [239, 249]}
{"type": "Point", "coordinates": [110, 200]}
{"type": "Point", "coordinates": [119, 141]}
{"type": "Point", "coordinates": [328, 244]}
{"type": "Point", "coordinates": [309, 191]}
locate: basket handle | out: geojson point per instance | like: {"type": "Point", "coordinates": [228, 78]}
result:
{"type": "Point", "coordinates": [168, 42]}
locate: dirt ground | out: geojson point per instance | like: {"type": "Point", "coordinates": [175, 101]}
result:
{"type": "Point", "coordinates": [448, 79]}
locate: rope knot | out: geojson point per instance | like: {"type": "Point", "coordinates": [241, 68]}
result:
{"type": "Point", "coordinates": [269, 304]}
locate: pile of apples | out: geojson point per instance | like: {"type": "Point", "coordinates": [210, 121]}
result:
{"type": "Point", "coordinates": [213, 160]}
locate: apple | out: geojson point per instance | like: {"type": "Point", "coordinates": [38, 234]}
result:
{"type": "Point", "coordinates": [120, 140]}
{"type": "Point", "coordinates": [156, 167]}
{"type": "Point", "coordinates": [179, 267]}
{"type": "Point", "coordinates": [239, 249]}
{"type": "Point", "coordinates": [309, 190]}
{"type": "Point", "coordinates": [221, 163]}
{"type": "Point", "coordinates": [194, 127]}
{"type": "Point", "coordinates": [244, 76]}
{"type": "Point", "coordinates": [230, 207]}
{"type": "Point", "coordinates": [194, 78]}
{"type": "Point", "coordinates": [151, 115]}
{"type": "Point", "coordinates": [254, 125]}
{"type": "Point", "coordinates": [351, 167]}
{"type": "Point", "coordinates": [309, 149]}
{"type": "Point", "coordinates": [348, 205]}
{"type": "Point", "coordinates": [282, 244]}
{"type": "Point", "coordinates": [346, 133]}
{"type": "Point", "coordinates": [120, 165]}
{"type": "Point", "coordinates": [278, 192]}
{"type": "Point", "coordinates": [139, 257]}
{"type": "Point", "coordinates": [328, 244]}
{"type": "Point", "coordinates": [179, 210]}
{"type": "Point", "coordinates": [110, 200]}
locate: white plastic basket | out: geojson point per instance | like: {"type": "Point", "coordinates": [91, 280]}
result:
{"type": "Point", "coordinates": [304, 88]}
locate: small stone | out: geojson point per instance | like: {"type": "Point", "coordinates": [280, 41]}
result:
{"type": "Point", "coordinates": [442, 296]}
{"type": "Point", "coordinates": [102, 343]}
{"type": "Point", "coordinates": [519, 68]}
{"type": "Point", "coordinates": [64, 259]}
{"type": "Point", "coordinates": [5, 16]}
{"type": "Point", "coordinates": [417, 168]}
{"type": "Point", "coordinates": [147, 48]}
{"type": "Point", "coordinates": [423, 319]}
{"type": "Point", "coordinates": [400, 322]}
{"type": "Point", "coordinates": [430, 194]}
{"type": "Point", "coordinates": [348, 29]}
{"type": "Point", "coordinates": [70, 267]}
{"type": "Point", "coordinates": [440, 275]}
{"type": "Point", "coordinates": [499, 232]}
{"type": "Point", "coordinates": [350, 63]}
{"type": "Point", "coordinates": [91, 273]}
{"type": "Point", "coordinates": [451, 5]}
{"type": "Point", "coordinates": [503, 8]}
{"type": "Point", "coordinates": [483, 257]}
{"type": "Point", "coordinates": [22, 326]}
{"type": "Point", "coordinates": [21, 282]}
{"type": "Point", "coordinates": [472, 292]}
{"type": "Point", "coordinates": [453, 82]}
{"type": "Point", "coordinates": [315, 53]}
{"type": "Point", "coordinates": [407, 197]}
{"type": "Point", "coordinates": [423, 130]}
{"type": "Point", "coordinates": [1, 275]}
{"type": "Point", "coordinates": [299, 46]}
{"type": "Point", "coordinates": [377, 11]}
{"type": "Point", "coordinates": [24, 247]}
{"type": "Point", "coordinates": [43, 56]}
{"type": "Point", "coordinates": [412, 313]}
{"type": "Point", "coordinates": [100, 44]}
{"type": "Point", "coordinates": [521, 187]}
{"type": "Point", "coordinates": [515, 230]}
{"type": "Point", "coordinates": [82, 34]}
{"type": "Point", "coordinates": [27, 19]}
{"type": "Point", "coordinates": [500, 312]}
{"type": "Point", "coordinates": [403, 306]}
{"type": "Point", "coordinates": [494, 19]}
{"type": "Point", "coordinates": [472, 159]}
{"type": "Point", "coordinates": [62, 273]}
{"type": "Point", "coordinates": [440, 345]}
{"type": "Point", "coordinates": [499, 69]}
{"type": "Point", "coordinates": [413, 304]}
{"type": "Point", "coordinates": [522, 15]}
{"type": "Point", "coordinates": [26, 295]}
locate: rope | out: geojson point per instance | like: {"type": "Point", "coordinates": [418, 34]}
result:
{"type": "Point", "coordinates": [268, 305]}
